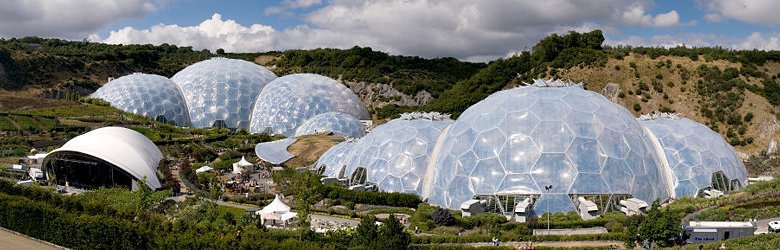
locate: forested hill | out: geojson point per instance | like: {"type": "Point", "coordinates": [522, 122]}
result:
{"type": "Point", "coordinates": [734, 92]}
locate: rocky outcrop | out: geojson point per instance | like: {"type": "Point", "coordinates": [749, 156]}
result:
{"type": "Point", "coordinates": [378, 95]}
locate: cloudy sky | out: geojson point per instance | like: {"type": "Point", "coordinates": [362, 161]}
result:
{"type": "Point", "coordinates": [466, 29]}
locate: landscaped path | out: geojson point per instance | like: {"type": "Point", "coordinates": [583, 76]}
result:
{"type": "Point", "coordinates": [12, 240]}
{"type": "Point", "coordinates": [601, 243]}
{"type": "Point", "coordinates": [762, 226]}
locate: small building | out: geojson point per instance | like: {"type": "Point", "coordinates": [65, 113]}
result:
{"type": "Point", "coordinates": [710, 231]}
{"type": "Point", "coordinates": [588, 209]}
{"type": "Point", "coordinates": [472, 207]}
{"type": "Point", "coordinates": [632, 206]}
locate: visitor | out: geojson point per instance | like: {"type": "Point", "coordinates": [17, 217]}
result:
{"type": "Point", "coordinates": [238, 235]}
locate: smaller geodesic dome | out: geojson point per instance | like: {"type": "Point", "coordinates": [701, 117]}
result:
{"type": "Point", "coordinates": [285, 103]}
{"type": "Point", "coordinates": [335, 122]}
{"type": "Point", "coordinates": [395, 154]}
{"type": "Point", "coordinates": [148, 95]}
{"type": "Point", "coordinates": [698, 158]}
{"type": "Point", "coordinates": [221, 89]}
{"type": "Point", "coordinates": [333, 161]}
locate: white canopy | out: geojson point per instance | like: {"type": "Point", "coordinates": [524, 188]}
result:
{"type": "Point", "coordinates": [244, 163]}
{"type": "Point", "coordinates": [276, 210]}
{"type": "Point", "coordinates": [203, 169]}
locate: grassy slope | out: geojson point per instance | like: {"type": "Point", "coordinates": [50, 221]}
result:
{"type": "Point", "coordinates": [682, 98]}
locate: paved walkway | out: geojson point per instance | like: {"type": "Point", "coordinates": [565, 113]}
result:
{"type": "Point", "coordinates": [602, 243]}
{"type": "Point", "coordinates": [13, 240]}
{"type": "Point", "coordinates": [762, 226]}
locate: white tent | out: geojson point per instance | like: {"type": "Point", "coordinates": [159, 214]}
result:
{"type": "Point", "coordinates": [242, 166]}
{"type": "Point", "coordinates": [203, 169]}
{"type": "Point", "coordinates": [276, 210]}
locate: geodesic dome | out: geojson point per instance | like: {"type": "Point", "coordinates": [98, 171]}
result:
{"type": "Point", "coordinates": [518, 141]}
{"type": "Point", "coordinates": [333, 161]}
{"type": "Point", "coordinates": [222, 89]}
{"type": "Point", "coordinates": [285, 103]}
{"type": "Point", "coordinates": [148, 95]}
{"type": "Point", "coordinates": [395, 154]}
{"type": "Point", "coordinates": [698, 157]}
{"type": "Point", "coordinates": [336, 122]}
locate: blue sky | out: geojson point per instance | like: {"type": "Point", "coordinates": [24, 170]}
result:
{"type": "Point", "coordinates": [465, 29]}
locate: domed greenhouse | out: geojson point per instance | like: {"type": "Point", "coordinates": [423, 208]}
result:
{"type": "Point", "coordinates": [551, 144]}
{"type": "Point", "coordinates": [289, 101]}
{"type": "Point", "coordinates": [153, 96]}
{"type": "Point", "coordinates": [222, 90]}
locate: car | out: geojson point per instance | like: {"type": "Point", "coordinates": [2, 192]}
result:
{"type": "Point", "coordinates": [774, 226]}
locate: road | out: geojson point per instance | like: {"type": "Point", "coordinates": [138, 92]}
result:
{"type": "Point", "coordinates": [11, 240]}
{"type": "Point", "coordinates": [762, 227]}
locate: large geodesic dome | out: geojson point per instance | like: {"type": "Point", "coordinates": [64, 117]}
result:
{"type": "Point", "coordinates": [285, 103]}
{"type": "Point", "coordinates": [148, 95]}
{"type": "Point", "coordinates": [336, 122]}
{"type": "Point", "coordinates": [698, 157]}
{"type": "Point", "coordinates": [333, 161]}
{"type": "Point", "coordinates": [517, 142]}
{"type": "Point", "coordinates": [222, 89]}
{"type": "Point", "coordinates": [395, 155]}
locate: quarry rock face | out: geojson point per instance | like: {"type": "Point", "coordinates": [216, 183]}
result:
{"type": "Point", "coordinates": [380, 94]}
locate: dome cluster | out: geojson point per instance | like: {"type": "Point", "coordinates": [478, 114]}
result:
{"type": "Point", "coordinates": [236, 93]}
{"type": "Point", "coordinates": [554, 143]}
{"type": "Point", "coordinates": [289, 101]}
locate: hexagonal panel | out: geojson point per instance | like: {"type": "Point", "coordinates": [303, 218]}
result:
{"type": "Point", "coordinates": [586, 156]}
{"type": "Point", "coordinates": [554, 169]}
{"type": "Point", "coordinates": [519, 154]}
{"type": "Point", "coordinates": [487, 176]}
{"type": "Point", "coordinates": [552, 136]}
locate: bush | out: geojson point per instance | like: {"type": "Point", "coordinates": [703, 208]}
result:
{"type": "Point", "coordinates": [443, 217]}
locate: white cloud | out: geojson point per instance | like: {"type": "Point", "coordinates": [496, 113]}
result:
{"type": "Point", "coordinates": [755, 41]}
{"type": "Point", "coordinates": [463, 29]}
{"type": "Point", "coordinates": [752, 11]}
{"type": "Point", "coordinates": [635, 15]}
{"type": "Point", "coordinates": [760, 41]}
{"type": "Point", "coordinates": [74, 19]}
{"type": "Point", "coordinates": [211, 34]}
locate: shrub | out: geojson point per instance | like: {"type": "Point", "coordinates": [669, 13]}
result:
{"type": "Point", "coordinates": [443, 217]}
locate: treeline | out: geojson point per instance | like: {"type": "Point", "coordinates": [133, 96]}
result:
{"type": "Point", "coordinates": [408, 74]}
{"type": "Point", "coordinates": [573, 49]}
{"type": "Point", "coordinates": [48, 62]}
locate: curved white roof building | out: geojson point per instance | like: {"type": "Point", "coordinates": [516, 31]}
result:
{"type": "Point", "coordinates": [333, 161]}
{"type": "Point", "coordinates": [148, 95]}
{"type": "Point", "coordinates": [222, 89]}
{"type": "Point", "coordinates": [109, 156]}
{"type": "Point", "coordinates": [285, 103]}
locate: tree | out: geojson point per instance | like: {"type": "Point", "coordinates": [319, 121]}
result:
{"type": "Point", "coordinates": [392, 235]}
{"type": "Point", "coordinates": [660, 226]}
{"type": "Point", "coordinates": [366, 233]}
{"type": "Point", "coordinates": [443, 217]}
{"type": "Point", "coordinates": [305, 187]}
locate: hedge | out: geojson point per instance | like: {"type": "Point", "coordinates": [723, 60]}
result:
{"type": "Point", "coordinates": [373, 198]}
{"type": "Point", "coordinates": [440, 239]}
